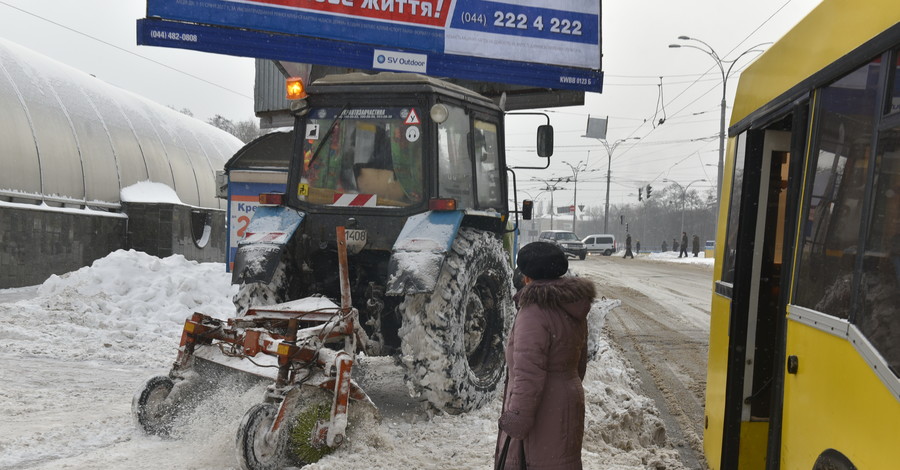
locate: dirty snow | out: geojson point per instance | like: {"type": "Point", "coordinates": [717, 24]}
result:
{"type": "Point", "coordinates": [77, 347]}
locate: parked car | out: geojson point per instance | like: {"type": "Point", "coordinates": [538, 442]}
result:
{"type": "Point", "coordinates": [566, 240]}
{"type": "Point", "coordinates": [600, 243]}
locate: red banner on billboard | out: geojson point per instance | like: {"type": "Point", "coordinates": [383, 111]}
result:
{"type": "Point", "coordinates": [419, 12]}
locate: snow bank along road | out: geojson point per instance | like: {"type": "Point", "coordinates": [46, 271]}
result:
{"type": "Point", "coordinates": [76, 348]}
{"type": "Point", "coordinates": [662, 328]}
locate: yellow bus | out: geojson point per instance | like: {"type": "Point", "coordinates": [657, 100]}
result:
{"type": "Point", "coordinates": [804, 350]}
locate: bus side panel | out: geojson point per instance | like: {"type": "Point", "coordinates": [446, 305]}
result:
{"type": "Point", "coordinates": [754, 438]}
{"type": "Point", "coordinates": [716, 375]}
{"type": "Point", "coordinates": [835, 401]}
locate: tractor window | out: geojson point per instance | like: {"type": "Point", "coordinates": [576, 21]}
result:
{"type": "Point", "coordinates": [369, 157]}
{"type": "Point", "coordinates": [455, 163]}
{"type": "Point", "coordinates": [487, 165]}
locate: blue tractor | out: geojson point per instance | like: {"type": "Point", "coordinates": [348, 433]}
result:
{"type": "Point", "coordinates": [414, 168]}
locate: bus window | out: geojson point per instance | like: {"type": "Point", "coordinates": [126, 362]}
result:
{"type": "Point", "coordinates": [735, 210]}
{"type": "Point", "coordinates": [893, 104]}
{"type": "Point", "coordinates": [831, 233]}
{"type": "Point", "coordinates": [879, 296]}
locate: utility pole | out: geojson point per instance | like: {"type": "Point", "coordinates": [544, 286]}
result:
{"type": "Point", "coordinates": [609, 151]}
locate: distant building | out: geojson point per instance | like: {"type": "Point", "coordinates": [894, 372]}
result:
{"type": "Point", "coordinates": [70, 144]}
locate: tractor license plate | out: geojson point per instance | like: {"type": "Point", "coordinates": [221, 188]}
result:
{"type": "Point", "coordinates": [356, 240]}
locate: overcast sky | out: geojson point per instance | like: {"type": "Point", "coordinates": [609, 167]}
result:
{"type": "Point", "coordinates": [98, 37]}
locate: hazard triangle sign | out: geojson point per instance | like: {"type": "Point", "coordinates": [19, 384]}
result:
{"type": "Point", "coordinates": [413, 117]}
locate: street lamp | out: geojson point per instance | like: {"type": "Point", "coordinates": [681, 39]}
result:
{"type": "Point", "coordinates": [535, 199]}
{"type": "Point", "coordinates": [551, 186]}
{"type": "Point", "coordinates": [720, 62]}
{"type": "Point", "coordinates": [609, 151]}
{"type": "Point", "coordinates": [578, 168]}
{"type": "Point", "coordinates": [683, 192]}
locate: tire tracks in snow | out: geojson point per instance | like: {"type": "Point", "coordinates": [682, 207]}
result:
{"type": "Point", "coordinates": [663, 342]}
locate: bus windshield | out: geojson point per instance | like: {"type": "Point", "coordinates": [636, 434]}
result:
{"type": "Point", "coordinates": [366, 157]}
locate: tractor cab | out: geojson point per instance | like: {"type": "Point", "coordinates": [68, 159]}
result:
{"type": "Point", "coordinates": [397, 144]}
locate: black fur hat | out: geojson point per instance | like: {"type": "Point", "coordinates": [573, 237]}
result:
{"type": "Point", "coordinates": [542, 260]}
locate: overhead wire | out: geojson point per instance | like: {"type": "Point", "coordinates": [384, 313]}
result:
{"type": "Point", "coordinates": [125, 50]}
{"type": "Point", "coordinates": [690, 86]}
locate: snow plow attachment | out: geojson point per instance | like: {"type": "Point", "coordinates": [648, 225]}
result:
{"type": "Point", "coordinates": [304, 348]}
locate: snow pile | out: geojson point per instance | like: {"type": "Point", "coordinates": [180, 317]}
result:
{"type": "Point", "coordinates": [622, 428]}
{"type": "Point", "coordinates": [127, 308]}
{"type": "Point", "coordinates": [672, 257]}
{"type": "Point", "coordinates": [75, 354]}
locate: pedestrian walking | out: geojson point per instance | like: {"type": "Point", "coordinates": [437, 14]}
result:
{"type": "Point", "coordinates": [696, 245]}
{"type": "Point", "coordinates": [683, 245]}
{"type": "Point", "coordinates": [674, 245]}
{"type": "Point", "coordinates": [542, 418]}
{"type": "Point", "coordinates": [664, 247]}
{"type": "Point", "coordinates": [628, 247]}
{"type": "Point", "coordinates": [637, 247]}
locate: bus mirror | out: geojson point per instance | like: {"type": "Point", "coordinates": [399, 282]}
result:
{"type": "Point", "coordinates": [545, 140]}
{"type": "Point", "coordinates": [527, 208]}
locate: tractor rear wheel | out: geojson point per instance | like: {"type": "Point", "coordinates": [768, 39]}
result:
{"type": "Point", "coordinates": [151, 412]}
{"type": "Point", "coordinates": [453, 338]}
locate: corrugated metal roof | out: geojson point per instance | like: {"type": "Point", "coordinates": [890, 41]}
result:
{"type": "Point", "coordinates": [66, 136]}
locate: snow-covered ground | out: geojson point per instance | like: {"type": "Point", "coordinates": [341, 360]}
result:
{"type": "Point", "coordinates": [77, 347]}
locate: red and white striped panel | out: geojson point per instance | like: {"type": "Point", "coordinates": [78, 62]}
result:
{"type": "Point", "coordinates": [355, 200]}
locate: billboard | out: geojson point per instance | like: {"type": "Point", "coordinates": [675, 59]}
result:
{"type": "Point", "coordinates": [526, 42]}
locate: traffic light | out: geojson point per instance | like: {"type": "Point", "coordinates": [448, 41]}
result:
{"type": "Point", "coordinates": [649, 188]}
{"type": "Point", "coordinates": [640, 194]}
{"type": "Point", "coordinates": [527, 209]}
{"type": "Point", "coordinates": [621, 219]}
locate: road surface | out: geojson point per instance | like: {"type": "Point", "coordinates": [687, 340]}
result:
{"type": "Point", "coordinates": [662, 328]}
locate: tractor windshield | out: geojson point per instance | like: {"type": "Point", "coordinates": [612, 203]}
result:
{"type": "Point", "coordinates": [367, 157]}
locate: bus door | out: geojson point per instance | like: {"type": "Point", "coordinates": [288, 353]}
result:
{"type": "Point", "coordinates": [755, 331]}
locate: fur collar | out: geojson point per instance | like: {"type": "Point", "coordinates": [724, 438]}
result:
{"type": "Point", "coordinates": [556, 292]}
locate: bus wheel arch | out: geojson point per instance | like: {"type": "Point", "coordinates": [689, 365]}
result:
{"type": "Point", "coordinates": [833, 460]}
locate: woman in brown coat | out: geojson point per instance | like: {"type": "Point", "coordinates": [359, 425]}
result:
{"type": "Point", "coordinates": [546, 357]}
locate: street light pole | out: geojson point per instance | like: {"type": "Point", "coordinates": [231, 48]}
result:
{"type": "Point", "coordinates": [720, 62]}
{"type": "Point", "coordinates": [609, 151]}
{"type": "Point", "coordinates": [683, 193]}
{"type": "Point", "coordinates": [551, 186]}
{"type": "Point", "coordinates": [578, 168]}
{"type": "Point", "coordinates": [535, 199]}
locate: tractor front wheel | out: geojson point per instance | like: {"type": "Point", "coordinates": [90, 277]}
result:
{"type": "Point", "coordinates": [151, 412]}
{"type": "Point", "coordinates": [257, 448]}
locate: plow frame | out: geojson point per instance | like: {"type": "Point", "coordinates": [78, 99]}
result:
{"type": "Point", "coordinates": [313, 348]}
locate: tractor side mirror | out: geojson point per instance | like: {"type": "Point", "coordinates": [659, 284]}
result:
{"type": "Point", "coordinates": [545, 140]}
{"type": "Point", "coordinates": [527, 209]}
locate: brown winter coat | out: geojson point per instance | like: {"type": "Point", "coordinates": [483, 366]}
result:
{"type": "Point", "coordinates": [546, 361]}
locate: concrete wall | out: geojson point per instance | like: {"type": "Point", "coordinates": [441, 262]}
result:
{"type": "Point", "coordinates": [164, 229]}
{"type": "Point", "coordinates": [37, 243]}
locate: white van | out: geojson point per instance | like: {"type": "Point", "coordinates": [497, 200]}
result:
{"type": "Point", "coordinates": [600, 243]}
